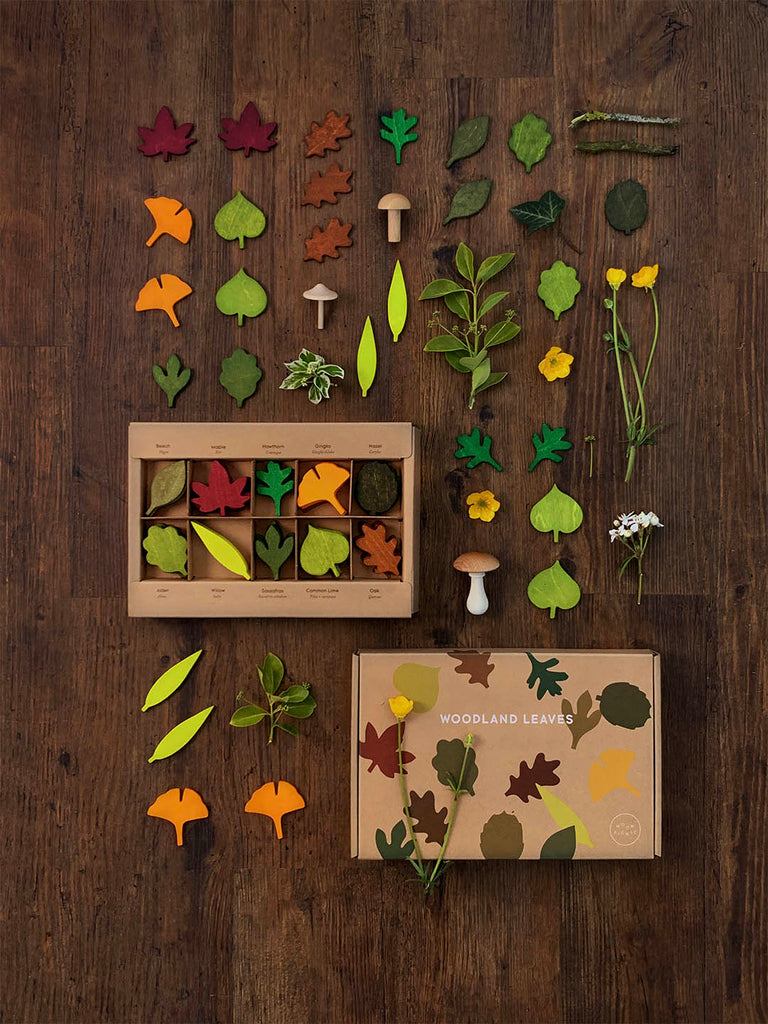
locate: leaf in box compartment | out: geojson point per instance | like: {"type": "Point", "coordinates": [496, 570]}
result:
{"type": "Point", "coordinates": [180, 735]}
{"type": "Point", "coordinates": [539, 213]}
{"type": "Point", "coordinates": [560, 845]}
{"type": "Point", "coordinates": [172, 379]}
{"type": "Point", "coordinates": [274, 550]}
{"type": "Point", "coordinates": [169, 682]}
{"type": "Point", "coordinates": [584, 719]}
{"type": "Point", "coordinates": [502, 837]}
{"type": "Point", "coordinates": [470, 199]}
{"type": "Point", "coordinates": [468, 138]}
{"type": "Point", "coordinates": [327, 241]}
{"type": "Point", "coordinates": [394, 848]}
{"type": "Point", "coordinates": [476, 450]}
{"type": "Point", "coordinates": [248, 132]}
{"type": "Point", "coordinates": [178, 808]}
{"type": "Point", "coordinates": [541, 673]}
{"type": "Point", "coordinates": [558, 287]}
{"type": "Point", "coordinates": [274, 482]}
{"type": "Point", "coordinates": [321, 483]}
{"type": "Point", "coordinates": [524, 784]}
{"type": "Point", "coordinates": [381, 555]}
{"type": "Point", "coordinates": [165, 136]}
{"type": "Point", "coordinates": [220, 493]}
{"type": "Point", "coordinates": [427, 818]}
{"type": "Point", "coordinates": [529, 140]}
{"type": "Point", "coordinates": [549, 444]}
{"type": "Point", "coordinates": [325, 136]}
{"type": "Point", "coordinates": [626, 206]}
{"type": "Point", "coordinates": [323, 188]}
{"type": "Point", "coordinates": [168, 486]}
{"type": "Point", "coordinates": [322, 551]}
{"type": "Point", "coordinates": [239, 219]}
{"type": "Point", "coordinates": [223, 550]}
{"type": "Point", "coordinates": [166, 548]}
{"type": "Point", "coordinates": [377, 488]}
{"type": "Point", "coordinates": [240, 375]}
{"type": "Point", "coordinates": [563, 816]}
{"type": "Point", "coordinates": [475, 664]}
{"type": "Point", "coordinates": [448, 760]}
{"type": "Point", "coordinates": [240, 296]}
{"type": "Point", "coordinates": [553, 588]}
{"type": "Point", "coordinates": [381, 751]}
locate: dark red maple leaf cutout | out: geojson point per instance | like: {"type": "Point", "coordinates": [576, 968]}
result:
{"type": "Point", "coordinates": [427, 818]}
{"type": "Point", "coordinates": [220, 493]}
{"type": "Point", "coordinates": [248, 133]}
{"type": "Point", "coordinates": [165, 136]}
{"type": "Point", "coordinates": [381, 751]}
{"type": "Point", "coordinates": [474, 664]}
{"type": "Point", "coordinates": [541, 771]}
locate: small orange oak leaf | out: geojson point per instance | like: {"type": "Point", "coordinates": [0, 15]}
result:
{"type": "Point", "coordinates": [381, 555]}
{"type": "Point", "coordinates": [171, 218]}
{"type": "Point", "coordinates": [322, 483]}
{"type": "Point", "coordinates": [275, 799]}
{"type": "Point", "coordinates": [178, 808]}
{"type": "Point", "coordinates": [163, 294]}
{"type": "Point", "coordinates": [325, 136]}
{"type": "Point", "coordinates": [326, 242]}
{"type": "Point", "coordinates": [322, 188]}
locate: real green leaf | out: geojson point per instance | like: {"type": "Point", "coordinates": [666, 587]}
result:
{"type": "Point", "coordinates": [553, 588]}
{"type": "Point", "coordinates": [506, 330]}
{"type": "Point", "coordinates": [541, 673]}
{"type": "Point", "coordinates": [539, 213]}
{"type": "Point", "coordinates": [557, 512]}
{"type": "Point", "coordinates": [170, 681]}
{"type": "Point", "coordinates": [493, 300]}
{"type": "Point", "coordinates": [397, 303]}
{"type": "Point", "coordinates": [559, 287]}
{"type": "Point", "coordinates": [273, 549]}
{"type": "Point", "coordinates": [271, 673]}
{"type": "Point", "coordinates": [223, 550]}
{"type": "Point", "coordinates": [468, 138]}
{"type": "Point", "coordinates": [173, 379]}
{"type": "Point", "coordinates": [465, 262]}
{"type": "Point", "coordinates": [469, 199]}
{"type": "Point", "coordinates": [301, 709]}
{"type": "Point", "coordinates": [626, 206]}
{"type": "Point", "coordinates": [240, 296]}
{"type": "Point", "coordinates": [477, 450]}
{"type": "Point", "coordinates": [323, 550]}
{"type": "Point", "coordinates": [180, 735]}
{"type": "Point", "coordinates": [274, 482]}
{"type": "Point", "coordinates": [239, 219]}
{"type": "Point", "coordinates": [560, 845]}
{"type": "Point", "coordinates": [397, 130]}
{"type": "Point", "coordinates": [458, 303]}
{"type": "Point", "coordinates": [529, 140]}
{"type": "Point", "coordinates": [549, 444]}
{"type": "Point", "coordinates": [366, 358]}
{"type": "Point", "coordinates": [168, 486]}
{"type": "Point", "coordinates": [448, 760]}
{"type": "Point", "coordinates": [249, 714]}
{"type": "Point", "coordinates": [444, 343]}
{"type": "Point", "coordinates": [442, 286]}
{"type": "Point", "coordinates": [166, 548]}
{"type": "Point", "coordinates": [240, 375]}
{"type": "Point", "coordinates": [493, 265]}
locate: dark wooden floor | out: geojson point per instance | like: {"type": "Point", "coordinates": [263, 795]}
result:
{"type": "Point", "coordinates": [102, 919]}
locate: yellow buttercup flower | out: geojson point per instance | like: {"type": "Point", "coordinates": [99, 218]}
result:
{"type": "Point", "coordinates": [401, 707]}
{"type": "Point", "coordinates": [615, 277]}
{"type": "Point", "coordinates": [645, 277]}
{"type": "Point", "coordinates": [483, 505]}
{"type": "Point", "coordinates": [555, 363]}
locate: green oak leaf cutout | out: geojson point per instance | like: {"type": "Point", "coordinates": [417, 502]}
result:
{"type": "Point", "coordinates": [419, 683]}
{"type": "Point", "coordinates": [172, 379]}
{"type": "Point", "coordinates": [166, 548]}
{"type": "Point", "coordinates": [539, 213]}
{"type": "Point", "coordinates": [557, 512]}
{"type": "Point", "coordinates": [240, 375]}
{"type": "Point", "coordinates": [239, 219]}
{"type": "Point", "coordinates": [549, 444]}
{"type": "Point", "coordinates": [273, 549]}
{"type": "Point", "coordinates": [322, 551]}
{"type": "Point", "coordinates": [394, 848]}
{"type": "Point", "coordinates": [468, 138]}
{"type": "Point", "coordinates": [447, 763]}
{"type": "Point", "coordinates": [529, 140]}
{"type": "Point", "coordinates": [169, 682]}
{"type": "Point", "coordinates": [274, 482]}
{"type": "Point", "coordinates": [560, 845]}
{"type": "Point", "coordinates": [180, 735]}
{"type": "Point", "coordinates": [469, 200]}
{"type": "Point", "coordinates": [559, 287]}
{"type": "Point", "coordinates": [541, 673]}
{"type": "Point", "coordinates": [397, 130]}
{"type": "Point", "coordinates": [553, 588]}
{"type": "Point", "coordinates": [626, 206]}
{"type": "Point", "coordinates": [169, 485]}
{"type": "Point", "coordinates": [240, 296]}
{"type": "Point", "coordinates": [476, 450]}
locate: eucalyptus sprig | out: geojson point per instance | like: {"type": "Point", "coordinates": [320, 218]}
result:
{"type": "Point", "coordinates": [291, 702]}
{"type": "Point", "coordinates": [466, 347]}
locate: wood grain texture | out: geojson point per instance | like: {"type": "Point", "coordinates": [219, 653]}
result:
{"type": "Point", "coordinates": [103, 918]}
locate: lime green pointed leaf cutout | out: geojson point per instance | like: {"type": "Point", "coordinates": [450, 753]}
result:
{"type": "Point", "coordinates": [322, 551]}
{"type": "Point", "coordinates": [274, 549]}
{"type": "Point", "coordinates": [397, 130]}
{"type": "Point", "coordinates": [274, 482]}
{"type": "Point", "coordinates": [419, 683]}
{"type": "Point", "coordinates": [553, 588]}
{"type": "Point", "coordinates": [180, 735]}
{"type": "Point", "coordinates": [240, 296]}
{"type": "Point", "coordinates": [366, 358]}
{"type": "Point", "coordinates": [560, 845]}
{"type": "Point", "coordinates": [557, 512]}
{"type": "Point", "coordinates": [239, 219]}
{"type": "Point", "coordinates": [223, 550]}
{"type": "Point", "coordinates": [469, 200]}
{"type": "Point", "coordinates": [166, 548]}
{"type": "Point", "coordinates": [563, 816]}
{"type": "Point", "coordinates": [397, 303]}
{"type": "Point", "coordinates": [168, 486]}
{"type": "Point", "coordinates": [468, 139]}
{"type": "Point", "coordinates": [529, 140]}
{"type": "Point", "coordinates": [170, 681]}
{"type": "Point", "coordinates": [558, 287]}
{"type": "Point", "coordinates": [240, 375]}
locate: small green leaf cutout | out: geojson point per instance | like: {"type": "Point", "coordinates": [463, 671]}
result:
{"type": "Point", "coordinates": [180, 735]}
{"type": "Point", "coordinates": [553, 588]}
{"type": "Point", "coordinates": [557, 512]}
{"type": "Point", "coordinates": [239, 219]}
{"type": "Point", "coordinates": [166, 548]}
{"type": "Point", "coordinates": [559, 287]}
{"type": "Point", "coordinates": [170, 681]}
{"type": "Point", "coordinates": [529, 140]}
{"type": "Point", "coordinates": [468, 138]}
{"type": "Point", "coordinates": [469, 200]}
{"type": "Point", "coordinates": [397, 303]}
{"type": "Point", "coordinates": [366, 358]}
{"type": "Point", "coordinates": [240, 296]}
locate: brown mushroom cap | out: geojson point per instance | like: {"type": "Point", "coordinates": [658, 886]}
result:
{"type": "Point", "coordinates": [320, 293]}
{"type": "Point", "coordinates": [394, 201]}
{"type": "Point", "coordinates": [476, 561]}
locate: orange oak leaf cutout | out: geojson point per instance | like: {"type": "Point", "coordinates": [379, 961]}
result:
{"type": "Point", "coordinates": [326, 242]}
{"type": "Point", "coordinates": [322, 483]}
{"type": "Point", "coordinates": [323, 187]}
{"type": "Point", "coordinates": [381, 555]}
{"type": "Point", "coordinates": [171, 218]}
{"type": "Point", "coordinates": [163, 294]}
{"type": "Point", "coordinates": [325, 136]}
{"type": "Point", "coordinates": [275, 799]}
{"type": "Point", "coordinates": [178, 808]}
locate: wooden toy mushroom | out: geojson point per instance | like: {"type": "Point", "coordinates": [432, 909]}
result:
{"type": "Point", "coordinates": [476, 564]}
{"type": "Point", "coordinates": [393, 203]}
{"type": "Point", "coordinates": [320, 294]}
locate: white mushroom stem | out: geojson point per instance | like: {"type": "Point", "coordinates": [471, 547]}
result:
{"type": "Point", "coordinates": [393, 225]}
{"type": "Point", "coordinates": [477, 600]}
{"type": "Point", "coordinates": [321, 314]}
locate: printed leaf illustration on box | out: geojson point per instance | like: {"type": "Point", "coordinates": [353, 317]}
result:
{"type": "Point", "coordinates": [475, 664]}
{"type": "Point", "coordinates": [584, 719]}
{"type": "Point", "coordinates": [427, 819]}
{"type": "Point", "coordinates": [549, 444]}
{"type": "Point", "coordinates": [541, 772]}
{"type": "Point", "coordinates": [327, 241]}
{"type": "Point", "coordinates": [558, 287]}
{"type": "Point", "coordinates": [448, 760]}
{"type": "Point", "coordinates": [468, 139]}
{"type": "Point", "coordinates": [165, 136]}
{"type": "Point", "coordinates": [166, 548]}
{"type": "Point", "coordinates": [323, 551]}
{"type": "Point", "coordinates": [502, 837]}
{"type": "Point", "coordinates": [419, 683]}
{"type": "Point", "coordinates": [239, 219]}
{"type": "Point", "coordinates": [625, 705]}
{"type": "Point", "coordinates": [610, 772]}
{"type": "Point", "coordinates": [248, 132]}
{"type": "Point", "coordinates": [167, 486]}
{"type": "Point", "coordinates": [476, 450]}
{"type": "Point", "coordinates": [541, 673]}
{"type": "Point", "coordinates": [529, 140]}
{"type": "Point", "coordinates": [395, 847]}
{"type": "Point", "coordinates": [381, 751]}
{"type": "Point", "coordinates": [397, 130]}
{"type": "Point", "coordinates": [273, 549]}
{"type": "Point", "coordinates": [274, 482]}
{"type": "Point", "coordinates": [325, 136]}
{"type": "Point", "coordinates": [563, 816]}
{"type": "Point", "coordinates": [323, 188]}
{"type": "Point", "coordinates": [560, 845]}
{"type": "Point", "coordinates": [553, 588]}
{"type": "Point", "coordinates": [380, 550]}
{"type": "Point", "coordinates": [220, 493]}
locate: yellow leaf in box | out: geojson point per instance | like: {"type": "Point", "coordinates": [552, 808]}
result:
{"type": "Point", "coordinates": [223, 550]}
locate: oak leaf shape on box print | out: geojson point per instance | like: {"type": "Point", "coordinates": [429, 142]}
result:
{"type": "Point", "coordinates": [381, 751]}
{"type": "Point", "coordinates": [475, 664]}
{"type": "Point", "coordinates": [541, 771]}
{"type": "Point", "coordinates": [427, 818]}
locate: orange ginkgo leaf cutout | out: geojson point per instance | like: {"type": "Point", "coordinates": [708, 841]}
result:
{"type": "Point", "coordinates": [326, 242]}
{"type": "Point", "coordinates": [322, 483]}
{"type": "Point", "coordinates": [323, 187]}
{"type": "Point", "coordinates": [610, 773]}
{"type": "Point", "coordinates": [381, 555]}
{"type": "Point", "coordinates": [326, 135]}
{"type": "Point", "coordinates": [171, 218]}
{"type": "Point", "coordinates": [163, 294]}
{"type": "Point", "coordinates": [275, 799]}
{"type": "Point", "coordinates": [178, 808]}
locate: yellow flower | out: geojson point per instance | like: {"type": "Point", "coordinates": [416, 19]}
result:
{"type": "Point", "coordinates": [645, 277]}
{"type": "Point", "coordinates": [615, 277]}
{"type": "Point", "coordinates": [483, 505]}
{"type": "Point", "coordinates": [555, 363]}
{"type": "Point", "coordinates": [401, 707]}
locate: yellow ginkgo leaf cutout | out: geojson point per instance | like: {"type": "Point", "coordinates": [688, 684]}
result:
{"type": "Point", "coordinates": [610, 772]}
{"type": "Point", "coordinates": [171, 218]}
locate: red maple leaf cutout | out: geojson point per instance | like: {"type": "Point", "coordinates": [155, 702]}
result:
{"type": "Point", "coordinates": [381, 751]}
{"type": "Point", "coordinates": [165, 137]}
{"type": "Point", "coordinates": [541, 771]}
{"type": "Point", "coordinates": [248, 133]}
{"type": "Point", "coordinates": [427, 818]}
{"type": "Point", "coordinates": [325, 136]}
{"type": "Point", "coordinates": [474, 664]}
{"type": "Point", "coordinates": [220, 493]}
{"type": "Point", "coordinates": [324, 243]}
{"type": "Point", "coordinates": [322, 188]}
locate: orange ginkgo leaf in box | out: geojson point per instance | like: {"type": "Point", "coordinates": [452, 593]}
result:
{"type": "Point", "coordinates": [325, 136]}
{"type": "Point", "coordinates": [381, 555]}
{"type": "Point", "coordinates": [322, 483]}
{"type": "Point", "coordinates": [171, 218]}
{"type": "Point", "coordinates": [179, 808]}
{"type": "Point", "coordinates": [327, 242]}
{"type": "Point", "coordinates": [274, 800]}
{"type": "Point", "coordinates": [163, 294]}
{"type": "Point", "coordinates": [323, 188]}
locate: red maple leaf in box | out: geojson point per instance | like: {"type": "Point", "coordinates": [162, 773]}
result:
{"type": "Point", "coordinates": [541, 771]}
{"type": "Point", "coordinates": [220, 493]}
{"type": "Point", "coordinates": [381, 751]}
{"type": "Point", "coordinates": [248, 133]}
{"type": "Point", "coordinates": [165, 137]}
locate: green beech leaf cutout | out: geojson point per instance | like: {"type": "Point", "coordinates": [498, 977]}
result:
{"type": "Point", "coordinates": [240, 375]}
{"type": "Point", "coordinates": [549, 444]}
{"type": "Point", "coordinates": [502, 837]}
{"type": "Point", "coordinates": [563, 816]}
{"type": "Point", "coordinates": [366, 358]}
{"type": "Point", "coordinates": [469, 200]}
{"type": "Point", "coordinates": [397, 130]}
{"type": "Point", "coordinates": [394, 848]}
{"type": "Point", "coordinates": [240, 296]}
{"type": "Point", "coordinates": [560, 845]}
{"type": "Point", "coordinates": [170, 681]}
{"type": "Point", "coordinates": [180, 735]}
{"type": "Point", "coordinates": [553, 588]}
{"type": "Point", "coordinates": [419, 683]}
{"type": "Point", "coordinates": [529, 140]}
{"type": "Point", "coordinates": [273, 549]}
{"type": "Point", "coordinates": [476, 450]}
{"type": "Point", "coordinates": [223, 550]}
{"type": "Point", "coordinates": [166, 548]}
{"type": "Point", "coordinates": [173, 379]}
{"type": "Point", "coordinates": [557, 512]}
{"type": "Point", "coordinates": [397, 303]}
{"type": "Point", "coordinates": [322, 551]}
{"type": "Point", "coordinates": [541, 673]}
{"type": "Point", "coordinates": [539, 213]}
{"type": "Point", "coordinates": [447, 763]}
{"type": "Point", "coordinates": [559, 287]}
{"type": "Point", "coordinates": [239, 219]}
{"type": "Point", "coordinates": [626, 206]}
{"type": "Point", "coordinates": [274, 482]}
{"type": "Point", "coordinates": [468, 138]}
{"type": "Point", "coordinates": [169, 485]}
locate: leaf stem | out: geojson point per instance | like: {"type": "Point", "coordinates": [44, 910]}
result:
{"type": "Point", "coordinates": [404, 796]}
{"type": "Point", "coordinates": [655, 336]}
{"type": "Point", "coordinates": [618, 357]}
{"type": "Point", "coordinates": [451, 815]}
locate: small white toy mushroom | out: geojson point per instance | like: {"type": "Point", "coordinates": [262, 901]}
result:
{"type": "Point", "coordinates": [394, 203]}
{"type": "Point", "coordinates": [476, 564]}
{"type": "Point", "coordinates": [320, 294]}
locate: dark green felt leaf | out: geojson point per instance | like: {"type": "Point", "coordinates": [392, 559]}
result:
{"type": "Point", "coordinates": [470, 199]}
{"type": "Point", "coordinates": [476, 450]}
{"type": "Point", "coordinates": [468, 138]}
{"type": "Point", "coordinates": [397, 130]}
{"type": "Point", "coordinates": [539, 213]}
{"type": "Point", "coordinates": [549, 444]}
{"type": "Point", "coordinates": [240, 375]}
{"type": "Point", "coordinates": [626, 206]}
{"type": "Point", "coordinates": [560, 845]}
{"type": "Point", "coordinates": [273, 549]}
{"type": "Point", "coordinates": [173, 379]}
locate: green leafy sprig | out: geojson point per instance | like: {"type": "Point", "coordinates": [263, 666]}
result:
{"type": "Point", "coordinates": [291, 702]}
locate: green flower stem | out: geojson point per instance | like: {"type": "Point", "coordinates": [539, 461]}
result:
{"type": "Point", "coordinates": [655, 336]}
{"type": "Point", "coordinates": [404, 796]}
{"type": "Point", "coordinates": [632, 450]}
{"type": "Point", "coordinates": [451, 815]}
{"type": "Point", "coordinates": [640, 410]}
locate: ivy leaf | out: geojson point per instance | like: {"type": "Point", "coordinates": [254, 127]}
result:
{"type": "Point", "coordinates": [558, 512]}
{"type": "Point", "coordinates": [560, 845]}
{"type": "Point", "coordinates": [469, 199]}
{"type": "Point", "coordinates": [541, 673]}
{"type": "Point", "coordinates": [626, 206]}
{"type": "Point", "coordinates": [322, 551]}
{"type": "Point", "coordinates": [539, 213]}
{"type": "Point", "coordinates": [553, 588]}
{"type": "Point", "coordinates": [549, 444]}
{"type": "Point", "coordinates": [273, 549]}
{"type": "Point", "coordinates": [240, 296]}
{"type": "Point", "coordinates": [447, 763]}
{"type": "Point", "coordinates": [394, 848]}
{"type": "Point", "coordinates": [240, 375]}
{"type": "Point", "coordinates": [169, 485]}
{"type": "Point", "coordinates": [559, 287]}
{"type": "Point", "coordinates": [248, 133]}
{"type": "Point", "coordinates": [427, 818]}
{"type": "Point", "coordinates": [166, 548]}
{"type": "Point", "coordinates": [381, 751]}
{"type": "Point", "coordinates": [239, 219]}
{"type": "Point", "coordinates": [220, 493]}
{"type": "Point", "coordinates": [542, 771]}
{"type": "Point", "coordinates": [471, 447]}
{"type": "Point", "coordinates": [468, 138]}
{"type": "Point", "coordinates": [529, 140]}
{"type": "Point", "coordinates": [397, 130]}
{"type": "Point", "coordinates": [274, 482]}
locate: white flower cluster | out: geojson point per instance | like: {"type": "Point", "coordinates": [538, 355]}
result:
{"type": "Point", "coordinates": [630, 523]}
